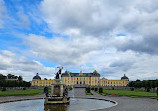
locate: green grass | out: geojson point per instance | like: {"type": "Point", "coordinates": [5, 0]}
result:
{"type": "Point", "coordinates": [28, 92]}
{"type": "Point", "coordinates": [136, 94]}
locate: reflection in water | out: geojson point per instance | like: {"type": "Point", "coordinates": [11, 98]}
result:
{"type": "Point", "coordinates": [55, 107]}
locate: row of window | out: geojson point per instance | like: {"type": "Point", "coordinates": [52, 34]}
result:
{"type": "Point", "coordinates": [81, 78]}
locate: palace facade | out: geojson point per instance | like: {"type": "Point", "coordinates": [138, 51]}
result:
{"type": "Point", "coordinates": [36, 81]}
{"type": "Point", "coordinates": [86, 79]}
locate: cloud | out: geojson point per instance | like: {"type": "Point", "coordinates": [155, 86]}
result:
{"type": "Point", "coordinates": [92, 41]}
{"type": "Point", "coordinates": [88, 37]}
{"type": "Point", "coordinates": [2, 13]}
{"type": "Point", "coordinates": [105, 19]}
{"type": "Point", "coordinates": [19, 65]}
{"type": "Point", "coordinates": [65, 51]}
{"type": "Point", "coordinates": [23, 20]}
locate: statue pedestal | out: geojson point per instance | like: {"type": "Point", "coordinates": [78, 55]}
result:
{"type": "Point", "coordinates": [57, 88]}
{"type": "Point", "coordinates": [57, 95]}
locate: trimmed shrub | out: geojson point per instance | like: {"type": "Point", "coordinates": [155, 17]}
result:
{"type": "Point", "coordinates": [24, 88]}
{"type": "Point", "coordinates": [92, 88]}
{"type": "Point", "coordinates": [45, 89]}
{"type": "Point", "coordinates": [4, 89]}
{"type": "Point", "coordinates": [148, 89]}
{"type": "Point", "coordinates": [157, 92]}
{"type": "Point", "coordinates": [96, 89]}
{"type": "Point", "coordinates": [70, 88]}
{"type": "Point", "coordinates": [132, 89]}
{"type": "Point", "coordinates": [100, 90]}
{"type": "Point", "coordinates": [112, 88]}
{"type": "Point", "coordinates": [88, 89]}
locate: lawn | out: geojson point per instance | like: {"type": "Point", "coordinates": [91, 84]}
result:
{"type": "Point", "coordinates": [138, 94]}
{"type": "Point", "coordinates": [28, 92]}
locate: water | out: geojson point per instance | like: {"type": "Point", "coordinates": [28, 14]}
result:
{"type": "Point", "coordinates": [38, 105]}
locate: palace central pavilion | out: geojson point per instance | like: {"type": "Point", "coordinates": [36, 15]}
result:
{"type": "Point", "coordinates": [88, 79]}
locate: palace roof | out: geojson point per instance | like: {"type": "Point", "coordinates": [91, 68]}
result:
{"type": "Point", "coordinates": [67, 74]}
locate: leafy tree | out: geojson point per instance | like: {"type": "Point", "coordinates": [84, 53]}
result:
{"type": "Point", "coordinates": [2, 77]}
{"type": "Point", "coordinates": [10, 76]}
{"type": "Point", "coordinates": [157, 92]}
{"type": "Point", "coordinates": [137, 80]}
{"type": "Point", "coordinates": [156, 83]}
{"type": "Point", "coordinates": [148, 89]}
{"type": "Point", "coordinates": [132, 89]}
{"type": "Point", "coordinates": [153, 84]}
{"type": "Point", "coordinates": [148, 84]}
{"type": "Point", "coordinates": [4, 89]}
{"type": "Point", "coordinates": [20, 78]}
{"type": "Point", "coordinates": [138, 84]}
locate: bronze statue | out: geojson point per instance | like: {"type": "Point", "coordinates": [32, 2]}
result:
{"type": "Point", "coordinates": [59, 72]}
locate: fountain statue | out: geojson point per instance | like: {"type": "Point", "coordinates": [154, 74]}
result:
{"type": "Point", "coordinates": [59, 92]}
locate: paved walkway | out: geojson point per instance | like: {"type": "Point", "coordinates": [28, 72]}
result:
{"type": "Point", "coordinates": [124, 103]}
{"type": "Point", "coordinates": [17, 98]}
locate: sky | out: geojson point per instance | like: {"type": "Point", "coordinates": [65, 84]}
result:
{"type": "Point", "coordinates": [114, 37]}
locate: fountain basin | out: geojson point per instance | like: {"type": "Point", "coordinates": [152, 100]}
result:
{"type": "Point", "coordinates": [76, 104]}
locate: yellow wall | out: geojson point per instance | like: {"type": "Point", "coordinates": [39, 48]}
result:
{"type": "Point", "coordinates": [93, 81]}
{"type": "Point", "coordinates": [41, 82]}
{"type": "Point", "coordinates": [105, 82]}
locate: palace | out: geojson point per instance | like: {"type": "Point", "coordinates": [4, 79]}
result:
{"type": "Point", "coordinates": [86, 79]}
{"type": "Point", "coordinates": [36, 81]}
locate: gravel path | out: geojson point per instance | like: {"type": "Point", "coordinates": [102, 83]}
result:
{"type": "Point", "coordinates": [124, 103]}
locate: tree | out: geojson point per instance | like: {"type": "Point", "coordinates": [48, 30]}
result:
{"type": "Point", "coordinates": [2, 77]}
{"type": "Point", "coordinates": [153, 84]}
{"type": "Point", "coordinates": [148, 84]}
{"type": "Point", "coordinates": [157, 92]}
{"type": "Point", "coordinates": [20, 78]}
{"type": "Point", "coordinates": [10, 76]}
{"type": "Point", "coordinates": [156, 83]}
{"type": "Point", "coordinates": [4, 89]}
{"type": "Point", "coordinates": [137, 80]}
{"type": "Point", "coordinates": [131, 84]}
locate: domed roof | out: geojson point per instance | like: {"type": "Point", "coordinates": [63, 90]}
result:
{"type": "Point", "coordinates": [124, 77]}
{"type": "Point", "coordinates": [37, 77]}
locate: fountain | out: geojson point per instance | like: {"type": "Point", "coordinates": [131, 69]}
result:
{"type": "Point", "coordinates": [59, 92]}
{"type": "Point", "coordinates": [58, 100]}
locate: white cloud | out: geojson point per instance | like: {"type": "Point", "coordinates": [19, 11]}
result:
{"type": "Point", "coordinates": [24, 21]}
{"type": "Point", "coordinates": [92, 43]}
{"type": "Point", "coordinates": [65, 51]}
{"type": "Point", "coordinates": [19, 65]}
{"type": "Point", "coordinates": [2, 13]}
